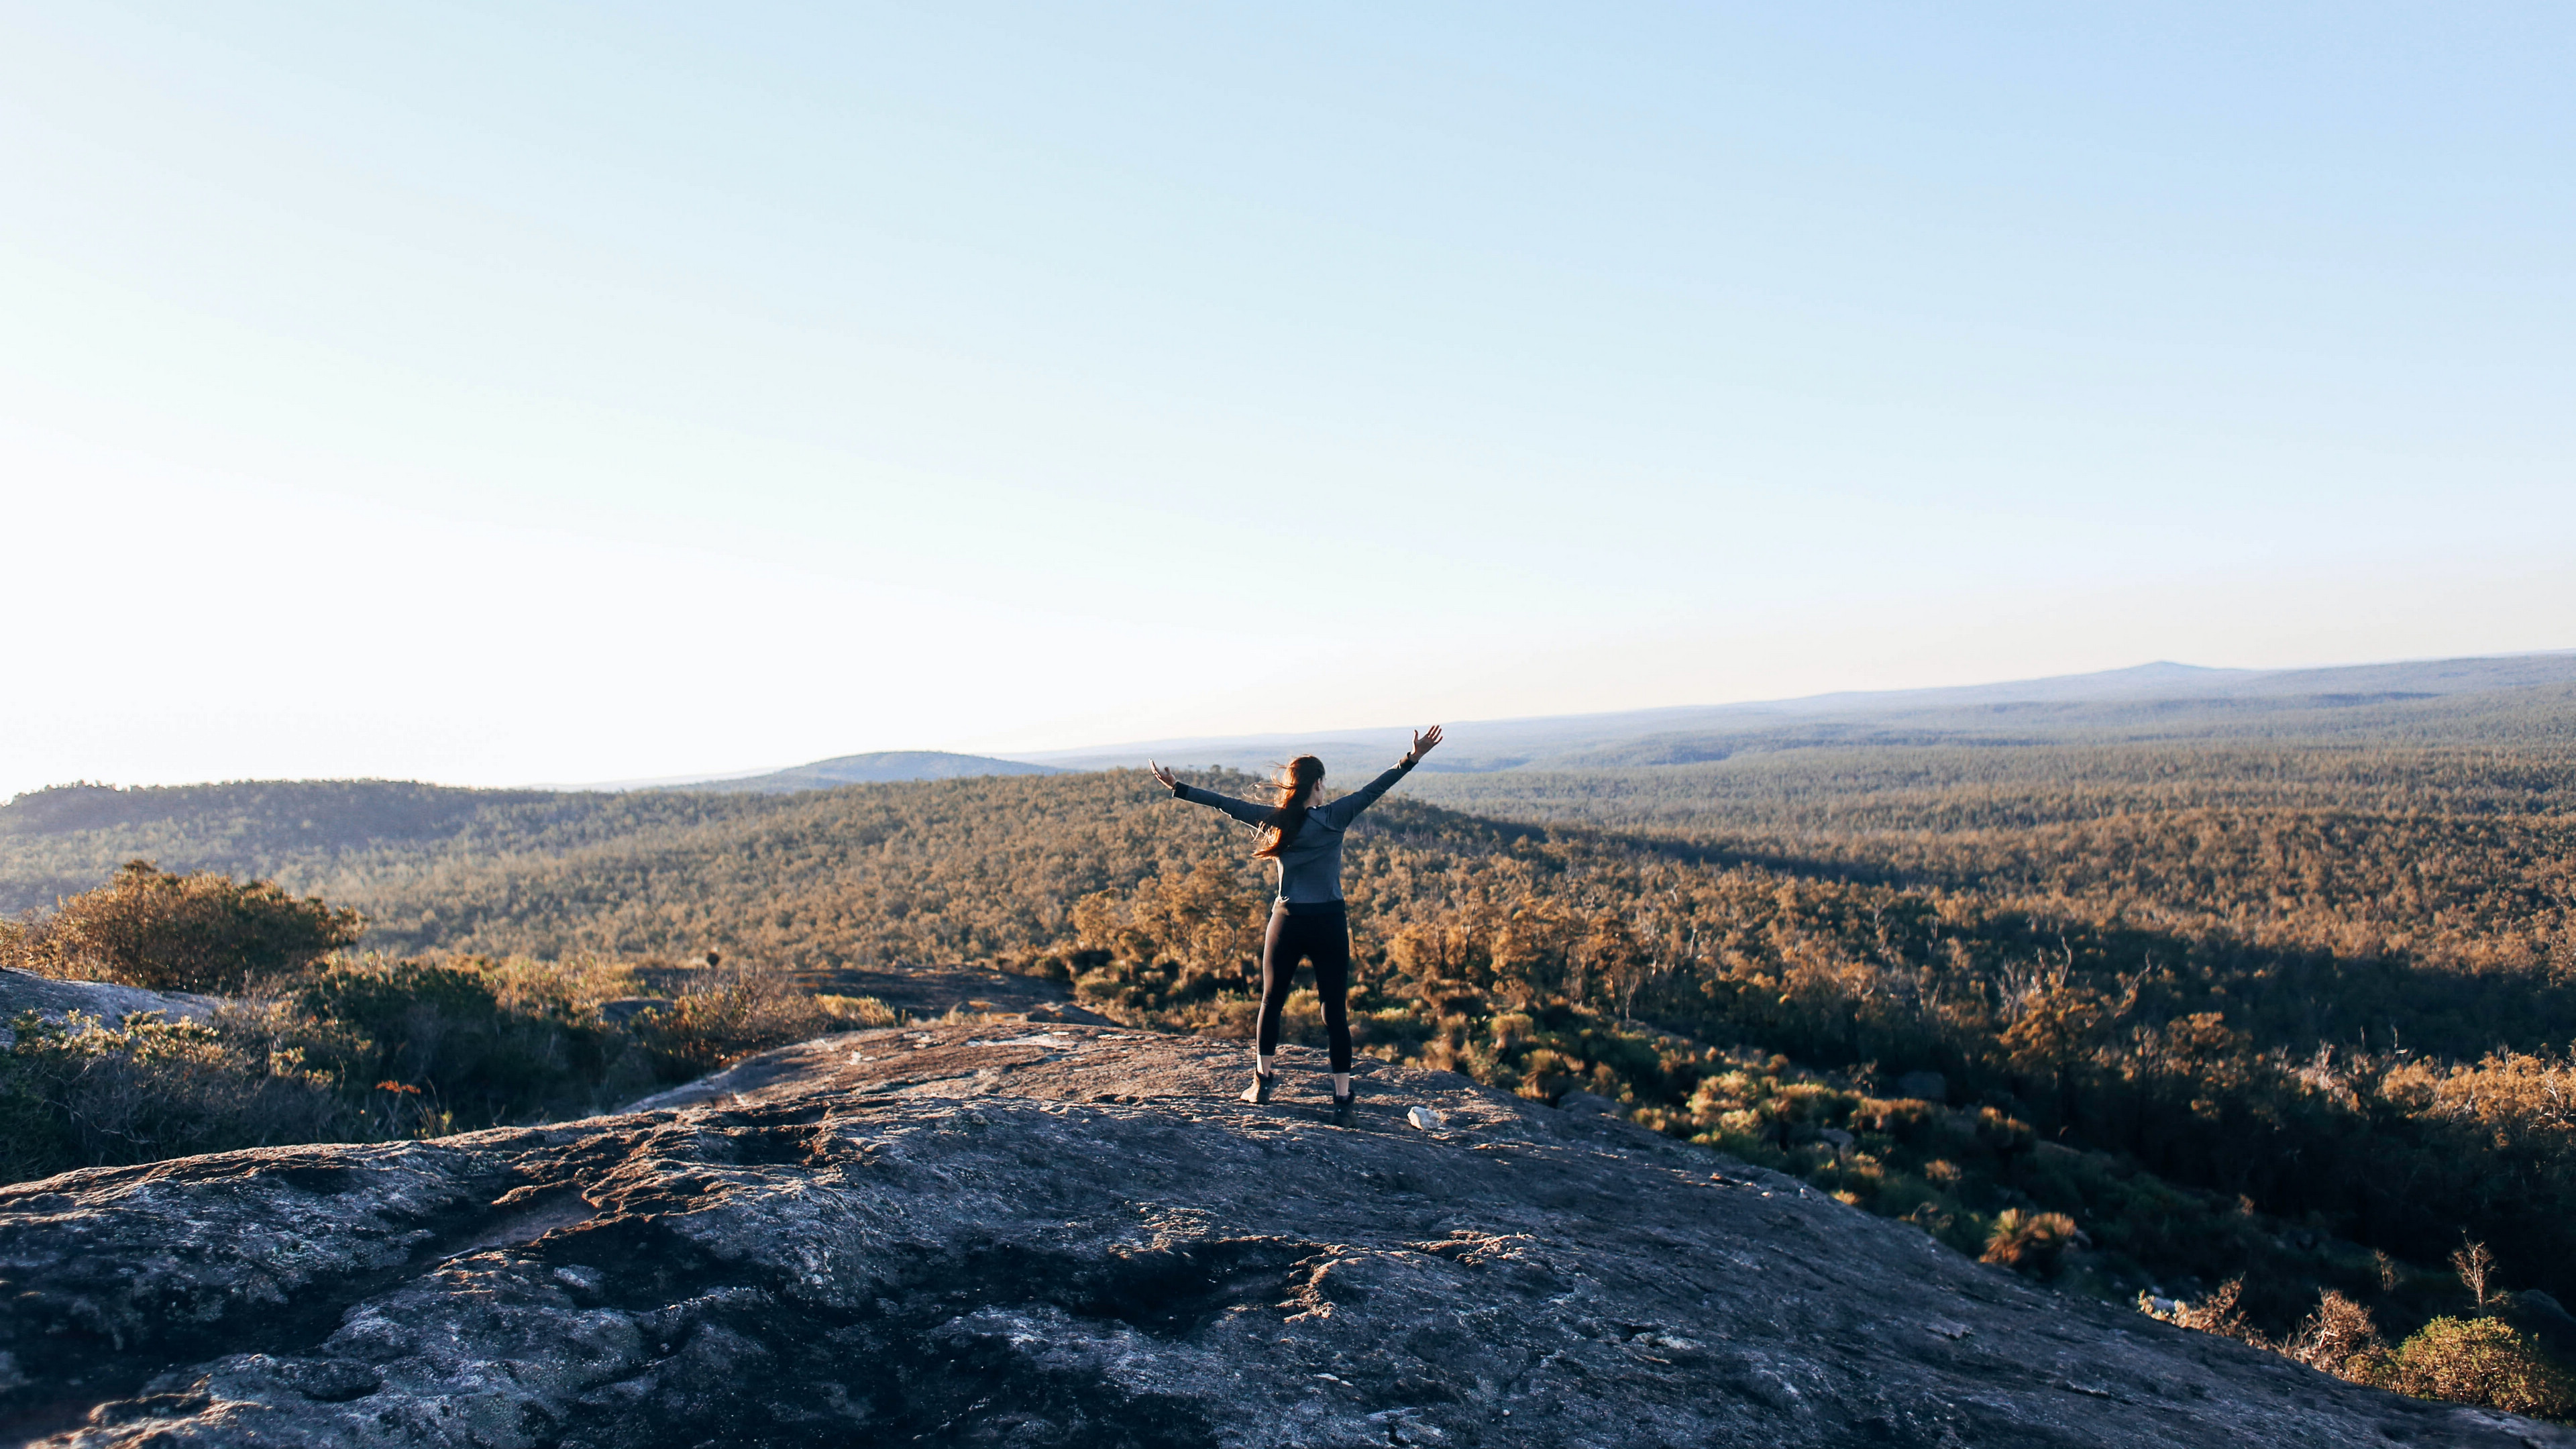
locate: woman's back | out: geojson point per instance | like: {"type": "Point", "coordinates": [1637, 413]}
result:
{"type": "Point", "coordinates": [1310, 859]}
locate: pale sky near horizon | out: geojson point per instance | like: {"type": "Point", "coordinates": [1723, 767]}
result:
{"type": "Point", "coordinates": [500, 393]}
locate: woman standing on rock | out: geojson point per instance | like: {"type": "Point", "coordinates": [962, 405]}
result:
{"type": "Point", "coordinates": [1309, 919]}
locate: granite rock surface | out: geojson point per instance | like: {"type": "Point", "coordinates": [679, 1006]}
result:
{"type": "Point", "coordinates": [54, 1000]}
{"type": "Point", "coordinates": [1061, 1234]}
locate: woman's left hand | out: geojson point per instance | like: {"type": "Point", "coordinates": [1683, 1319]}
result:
{"type": "Point", "coordinates": [1168, 779]}
{"type": "Point", "coordinates": [1424, 742]}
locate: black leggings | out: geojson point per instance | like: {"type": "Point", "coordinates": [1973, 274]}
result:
{"type": "Point", "coordinates": [1326, 941]}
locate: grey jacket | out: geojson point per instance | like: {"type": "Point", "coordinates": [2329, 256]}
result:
{"type": "Point", "coordinates": [1310, 869]}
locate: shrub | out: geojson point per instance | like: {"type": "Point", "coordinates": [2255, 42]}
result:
{"type": "Point", "coordinates": [168, 932]}
{"type": "Point", "coordinates": [84, 1093]}
{"type": "Point", "coordinates": [2029, 1242]}
{"type": "Point", "coordinates": [859, 1011]}
{"type": "Point", "coordinates": [730, 1012]}
{"type": "Point", "coordinates": [345, 1048]}
{"type": "Point", "coordinates": [371, 1048]}
{"type": "Point", "coordinates": [2221, 1312]}
{"type": "Point", "coordinates": [2479, 1361]}
{"type": "Point", "coordinates": [486, 1044]}
{"type": "Point", "coordinates": [2340, 1337]}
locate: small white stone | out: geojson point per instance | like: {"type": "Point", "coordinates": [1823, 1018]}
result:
{"type": "Point", "coordinates": [1424, 1118]}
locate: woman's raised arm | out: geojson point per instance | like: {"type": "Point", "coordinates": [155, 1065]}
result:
{"type": "Point", "coordinates": [1243, 810]}
{"type": "Point", "coordinates": [1341, 812]}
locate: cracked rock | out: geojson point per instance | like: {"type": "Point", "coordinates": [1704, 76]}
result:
{"type": "Point", "coordinates": [1074, 1237]}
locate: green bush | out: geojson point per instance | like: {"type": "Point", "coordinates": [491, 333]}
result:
{"type": "Point", "coordinates": [86, 1093]}
{"type": "Point", "coordinates": [370, 1049]}
{"type": "Point", "coordinates": [461, 1035]}
{"type": "Point", "coordinates": [2481, 1361]}
{"type": "Point", "coordinates": [169, 932]}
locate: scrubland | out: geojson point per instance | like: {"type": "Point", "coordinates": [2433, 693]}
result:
{"type": "Point", "coordinates": [313, 1043]}
{"type": "Point", "coordinates": [2261, 1032]}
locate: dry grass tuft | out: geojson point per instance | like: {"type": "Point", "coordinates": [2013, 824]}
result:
{"type": "Point", "coordinates": [2029, 1242]}
{"type": "Point", "coordinates": [2221, 1312]}
{"type": "Point", "coordinates": [2335, 1336]}
{"type": "Point", "coordinates": [730, 1011]}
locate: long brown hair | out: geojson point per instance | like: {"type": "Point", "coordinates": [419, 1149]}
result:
{"type": "Point", "coordinates": [1296, 787]}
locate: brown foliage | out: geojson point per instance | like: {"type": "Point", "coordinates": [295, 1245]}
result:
{"type": "Point", "coordinates": [730, 1012]}
{"type": "Point", "coordinates": [2340, 1337]}
{"type": "Point", "coordinates": [366, 1048]}
{"type": "Point", "coordinates": [2221, 1311]}
{"type": "Point", "coordinates": [2476, 1266]}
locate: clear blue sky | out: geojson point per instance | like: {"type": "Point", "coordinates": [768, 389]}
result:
{"type": "Point", "coordinates": [495, 393]}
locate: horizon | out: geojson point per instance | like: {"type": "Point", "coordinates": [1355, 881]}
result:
{"type": "Point", "coordinates": [498, 394]}
{"type": "Point", "coordinates": [1042, 755]}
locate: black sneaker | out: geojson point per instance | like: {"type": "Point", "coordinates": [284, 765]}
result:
{"type": "Point", "coordinates": [1342, 1109]}
{"type": "Point", "coordinates": [1259, 1091]}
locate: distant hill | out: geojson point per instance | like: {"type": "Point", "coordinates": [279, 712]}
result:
{"type": "Point", "coordinates": [364, 841]}
{"type": "Point", "coordinates": [68, 838]}
{"type": "Point", "coordinates": [2162, 700]}
{"type": "Point", "coordinates": [2508, 696]}
{"type": "Point", "coordinates": [881, 768]}
{"type": "Point", "coordinates": [345, 838]}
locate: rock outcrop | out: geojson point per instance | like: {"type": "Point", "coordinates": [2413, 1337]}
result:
{"type": "Point", "coordinates": [927, 991]}
{"type": "Point", "coordinates": [1073, 1235]}
{"type": "Point", "coordinates": [54, 1000]}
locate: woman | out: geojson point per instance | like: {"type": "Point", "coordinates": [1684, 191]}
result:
{"type": "Point", "coordinates": [1308, 920]}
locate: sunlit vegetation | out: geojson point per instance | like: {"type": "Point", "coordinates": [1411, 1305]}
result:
{"type": "Point", "coordinates": [200, 932]}
{"type": "Point", "coordinates": [2136, 1017]}
{"type": "Point", "coordinates": [2479, 1357]}
{"type": "Point", "coordinates": [309, 1048]}
{"type": "Point", "coordinates": [371, 1048]}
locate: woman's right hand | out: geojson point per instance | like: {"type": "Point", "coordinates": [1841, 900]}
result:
{"type": "Point", "coordinates": [1168, 779]}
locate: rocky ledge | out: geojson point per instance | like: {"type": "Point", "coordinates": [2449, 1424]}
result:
{"type": "Point", "coordinates": [52, 1000]}
{"type": "Point", "coordinates": [1073, 1235]}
